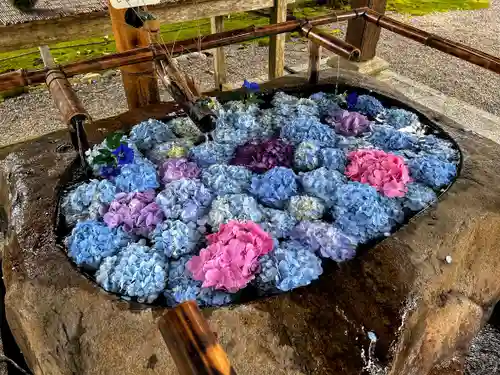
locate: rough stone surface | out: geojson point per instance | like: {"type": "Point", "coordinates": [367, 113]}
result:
{"type": "Point", "coordinates": [424, 311]}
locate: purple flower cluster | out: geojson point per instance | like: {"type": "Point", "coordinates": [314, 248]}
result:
{"type": "Point", "coordinates": [178, 168]}
{"type": "Point", "coordinates": [262, 156]}
{"type": "Point", "coordinates": [349, 123]}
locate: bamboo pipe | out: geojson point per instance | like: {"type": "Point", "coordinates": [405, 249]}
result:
{"type": "Point", "coordinates": [192, 343]}
{"type": "Point", "coordinates": [461, 51]}
{"type": "Point", "coordinates": [330, 42]}
{"type": "Point", "coordinates": [139, 55]}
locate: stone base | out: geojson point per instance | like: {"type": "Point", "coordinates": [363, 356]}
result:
{"type": "Point", "coordinates": [422, 309]}
{"type": "Point", "coordinates": [371, 67]}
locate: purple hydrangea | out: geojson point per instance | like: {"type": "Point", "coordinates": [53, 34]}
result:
{"type": "Point", "coordinates": [326, 239]}
{"type": "Point", "coordinates": [400, 118]}
{"type": "Point", "coordinates": [149, 133]}
{"type": "Point", "coordinates": [308, 129]}
{"type": "Point", "coordinates": [185, 200]}
{"type": "Point", "coordinates": [323, 183]}
{"type": "Point", "coordinates": [175, 238]}
{"type": "Point", "coordinates": [262, 156]}
{"type": "Point", "coordinates": [333, 158]}
{"type": "Point", "coordinates": [178, 168]}
{"type": "Point", "coordinates": [209, 153]}
{"type": "Point", "coordinates": [368, 105]}
{"type": "Point", "coordinates": [275, 187]}
{"type": "Point", "coordinates": [91, 241]}
{"type": "Point", "coordinates": [432, 171]}
{"type": "Point", "coordinates": [304, 207]}
{"type": "Point", "coordinates": [306, 156]}
{"type": "Point", "coordinates": [136, 177]}
{"type": "Point", "coordinates": [349, 123]}
{"type": "Point", "coordinates": [227, 179]}
{"type": "Point", "coordinates": [238, 207]}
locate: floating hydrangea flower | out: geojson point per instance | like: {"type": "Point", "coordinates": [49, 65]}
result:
{"type": "Point", "coordinates": [368, 105]}
{"type": "Point", "coordinates": [87, 200]}
{"type": "Point", "coordinates": [231, 260]}
{"type": "Point", "coordinates": [136, 177]}
{"type": "Point", "coordinates": [352, 143]}
{"type": "Point", "coordinates": [349, 123]}
{"type": "Point", "coordinates": [289, 266]}
{"type": "Point", "coordinates": [262, 156]}
{"type": "Point", "coordinates": [178, 168]}
{"type": "Point", "coordinates": [136, 271]}
{"type": "Point", "coordinates": [230, 207]}
{"type": "Point", "coordinates": [327, 103]}
{"type": "Point", "coordinates": [227, 179]}
{"type": "Point", "coordinates": [439, 148]}
{"type": "Point", "coordinates": [400, 118]}
{"type": "Point", "coordinates": [306, 156]}
{"type": "Point", "coordinates": [304, 207]}
{"type": "Point", "coordinates": [333, 158]}
{"type": "Point", "coordinates": [184, 127]}
{"type": "Point", "coordinates": [432, 171]}
{"type": "Point", "coordinates": [137, 213]}
{"type": "Point", "coordinates": [308, 129]}
{"type": "Point", "coordinates": [149, 133]}
{"type": "Point", "coordinates": [362, 213]}
{"type": "Point", "coordinates": [389, 139]}
{"type": "Point", "coordinates": [277, 223]}
{"type": "Point", "coordinates": [418, 197]}
{"type": "Point", "coordinates": [275, 187]}
{"type": "Point", "coordinates": [175, 238]}
{"type": "Point", "coordinates": [171, 149]}
{"type": "Point", "coordinates": [386, 172]}
{"type": "Point", "coordinates": [209, 153]}
{"type": "Point", "coordinates": [91, 241]}
{"type": "Point", "coordinates": [186, 200]}
{"type": "Point", "coordinates": [290, 107]}
{"type": "Point", "coordinates": [322, 183]}
{"type": "Point", "coordinates": [326, 239]}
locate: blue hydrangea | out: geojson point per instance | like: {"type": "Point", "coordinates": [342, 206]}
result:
{"type": "Point", "coordinates": [275, 187]}
{"type": "Point", "coordinates": [418, 197]}
{"type": "Point", "coordinates": [277, 223]}
{"type": "Point", "coordinates": [308, 129]}
{"type": "Point", "coordinates": [440, 148]}
{"type": "Point", "coordinates": [148, 134]}
{"type": "Point", "coordinates": [432, 171]}
{"type": "Point", "coordinates": [87, 200]}
{"type": "Point", "coordinates": [290, 107]}
{"type": "Point", "coordinates": [209, 153]}
{"type": "Point", "coordinates": [175, 238]}
{"type": "Point", "coordinates": [323, 183]}
{"type": "Point", "coordinates": [389, 139]}
{"type": "Point", "coordinates": [327, 103]}
{"type": "Point", "coordinates": [136, 271]}
{"type": "Point", "coordinates": [353, 143]}
{"type": "Point", "coordinates": [185, 200]}
{"type": "Point", "coordinates": [326, 239]}
{"type": "Point", "coordinates": [304, 207]}
{"type": "Point", "coordinates": [306, 156]}
{"type": "Point", "coordinates": [289, 266]}
{"type": "Point", "coordinates": [400, 118]}
{"type": "Point", "coordinates": [91, 241]}
{"type": "Point", "coordinates": [333, 158]}
{"type": "Point", "coordinates": [137, 177]}
{"type": "Point", "coordinates": [184, 127]}
{"type": "Point", "coordinates": [239, 207]}
{"type": "Point", "coordinates": [368, 105]}
{"type": "Point", "coordinates": [362, 213]}
{"type": "Point", "coordinates": [227, 179]}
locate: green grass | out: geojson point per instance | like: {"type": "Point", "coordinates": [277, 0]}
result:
{"type": "Point", "coordinates": [194, 28]}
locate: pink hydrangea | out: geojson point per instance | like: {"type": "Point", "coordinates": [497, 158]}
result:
{"type": "Point", "coordinates": [231, 260]}
{"type": "Point", "coordinates": [177, 168]}
{"type": "Point", "coordinates": [137, 212]}
{"type": "Point", "coordinates": [384, 171]}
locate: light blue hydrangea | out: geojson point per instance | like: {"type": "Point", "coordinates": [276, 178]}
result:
{"type": "Point", "coordinates": [440, 148]}
{"type": "Point", "coordinates": [275, 187]}
{"type": "Point", "coordinates": [277, 223]}
{"type": "Point", "coordinates": [389, 139]}
{"type": "Point", "coordinates": [175, 238]}
{"type": "Point", "coordinates": [418, 197]}
{"type": "Point", "coordinates": [148, 134]}
{"type": "Point", "coordinates": [306, 156]}
{"type": "Point", "coordinates": [362, 213]}
{"type": "Point", "coordinates": [185, 200]}
{"type": "Point", "coordinates": [137, 177]}
{"type": "Point", "coordinates": [368, 105]}
{"type": "Point", "coordinates": [209, 153]}
{"type": "Point", "coordinates": [308, 129]}
{"type": "Point", "coordinates": [290, 107]}
{"type": "Point", "coordinates": [327, 103]}
{"type": "Point", "coordinates": [184, 127]}
{"type": "Point", "coordinates": [87, 201]}
{"type": "Point", "coordinates": [325, 238]}
{"type": "Point", "coordinates": [400, 118]}
{"type": "Point", "coordinates": [239, 207]}
{"type": "Point", "coordinates": [91, 241]}
{"type": "Point", "coordinates": [304, 207]}
{"type": "Point", "coordinates": [227, 179]}
{"type": "Point", "coordinates": [323, 183]}
{"type": "Point", "coordinates": [178, 148]}
{"type": "Point", "coordinates": [333, 158]}
{"type": "Point", "coordinates": [432, 171]}
{"type": "Point", "coordinates": [353, 143]}
{"type": "Point", "coordinates": [135, 271]}
{"type": "Point", "coordinates": [289, 266]}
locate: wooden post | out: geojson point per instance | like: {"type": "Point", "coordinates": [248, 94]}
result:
{"type": "Point", "coordinates": [277, 42]}
{"type": "Point", "coordinates": [141, 85]}
{"type": "Point", "coordinates": [314, 61]}
{"type": "Point", "coordinates": [220, 71]}
{"type": "Point", "coordinates": [362, 34]}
